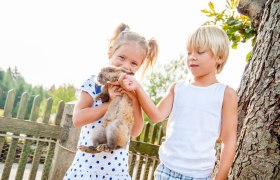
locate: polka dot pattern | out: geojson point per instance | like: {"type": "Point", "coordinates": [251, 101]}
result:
{"type": "Point", "coordinates": [105, 165]}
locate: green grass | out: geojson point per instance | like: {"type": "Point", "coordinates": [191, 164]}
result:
{"type": "Point", "coordinates": [1, 112]}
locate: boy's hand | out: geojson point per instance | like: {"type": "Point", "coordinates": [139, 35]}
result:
{"type": "Point", "coordinates": [128, 83]}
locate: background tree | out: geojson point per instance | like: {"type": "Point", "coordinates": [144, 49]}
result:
{"type": "Point", "coordinates": [12, 79]}
{"type": "Point", "coordinates": [65, 92]}
{"type": "Point", "coordinates": [258, 149]}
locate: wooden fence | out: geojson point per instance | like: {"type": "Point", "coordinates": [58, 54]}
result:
{"type": "Point", "coordinates": [52, 146]}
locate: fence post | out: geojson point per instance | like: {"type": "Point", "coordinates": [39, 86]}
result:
{"type": "Point", "coordinates": [64, 157]}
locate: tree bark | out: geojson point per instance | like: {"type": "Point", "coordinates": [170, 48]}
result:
{"type": "Point", "coordinates": [258, 148]}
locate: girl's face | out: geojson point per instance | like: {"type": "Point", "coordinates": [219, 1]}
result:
{"type": "Point", "coordinates": [201, 62]}
{"type": "Point", "coordinates": [128, 56]}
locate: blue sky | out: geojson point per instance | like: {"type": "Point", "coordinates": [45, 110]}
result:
{"type": "Point", "coordinates": [64, 42]}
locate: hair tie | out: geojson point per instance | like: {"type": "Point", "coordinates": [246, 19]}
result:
{"type": "Point", "coordinates": [125, 30]}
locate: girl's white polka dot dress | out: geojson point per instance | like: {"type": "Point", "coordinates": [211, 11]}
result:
{"type": "Point", "coordinates": [105, 165]}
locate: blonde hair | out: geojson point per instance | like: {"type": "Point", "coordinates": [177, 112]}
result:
{"type": "Point", "coordinates": [122, 35]}
{"type": "Point", "coordinates": [213, 38]}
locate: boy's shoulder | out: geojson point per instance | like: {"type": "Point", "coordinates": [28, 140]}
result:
{"type": "Point", "coordinates": [229, 91]}
{"type": "Point", "coordinates": [227, 87]}
{"type": "Point", "coordinates": [179, 83]}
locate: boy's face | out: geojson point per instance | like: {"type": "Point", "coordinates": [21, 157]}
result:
{"type": "Point", "coordinates": [201, 62]}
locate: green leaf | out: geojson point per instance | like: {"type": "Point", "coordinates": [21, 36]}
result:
{"type": "Point", "coordinates": [211, 6]}
{"type": "Point", "coordinates": [205, 11]}
{"type": "Point", "coordinates": [248, 56]}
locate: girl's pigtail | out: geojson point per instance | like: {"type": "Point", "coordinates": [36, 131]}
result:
{"type": "Point", "coordinates": [152, 55]}
{"type": "Point", "coordinates": [153, 51]}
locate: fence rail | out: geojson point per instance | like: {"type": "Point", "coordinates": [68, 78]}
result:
{"type": "Point", "coordinates": [17, 126]}
{"type": "Point", "coordinates": [31, 134]}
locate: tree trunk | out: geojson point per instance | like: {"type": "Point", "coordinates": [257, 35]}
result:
{"type": "Point", "coordinates": [258, 149]}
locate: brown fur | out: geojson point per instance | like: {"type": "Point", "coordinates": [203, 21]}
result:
{"type": "Point", "coordinates": [118, 120]}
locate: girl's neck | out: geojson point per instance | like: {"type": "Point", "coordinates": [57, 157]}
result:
{"type": "Point", "coordinates": [203, 81]}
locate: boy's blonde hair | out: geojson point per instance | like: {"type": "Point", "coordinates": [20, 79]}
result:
{"type": "Point", "coordinates": [122, 35]}
{"type": "Point", "coordinates": [213, 38]}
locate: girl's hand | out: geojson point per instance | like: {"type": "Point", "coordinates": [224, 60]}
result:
{"type": "Point", "coordinates": [114, 91]}
{"type": "Point", "coordinates": [128, 83]}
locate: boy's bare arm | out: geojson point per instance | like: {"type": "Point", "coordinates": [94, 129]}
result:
{"type": "Point", "coordinates": [228, 133]}
{"type": "Point", "coordinates": [155, 113]}
{"type": "Point", "coordinates": [162, 110]}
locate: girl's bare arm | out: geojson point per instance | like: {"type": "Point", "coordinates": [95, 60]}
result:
{"type": "Point", "coordinates": [84, 113]}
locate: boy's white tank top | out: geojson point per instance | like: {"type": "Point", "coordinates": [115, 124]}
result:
{"type": "Point", "coordinates": [192, 129]}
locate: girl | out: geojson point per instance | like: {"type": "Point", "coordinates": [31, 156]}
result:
{"type": "Point", "coordinates": [199, 111]}
{"type": "Point", "coordinates": [129, 51]}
